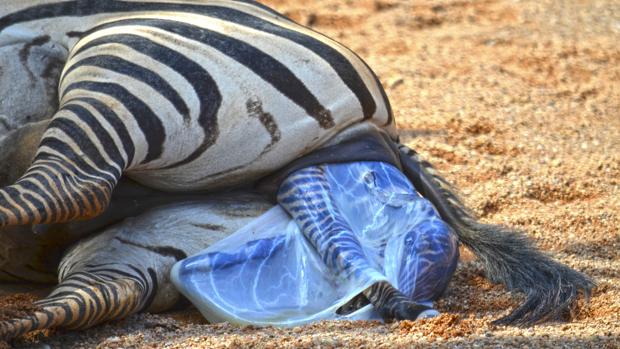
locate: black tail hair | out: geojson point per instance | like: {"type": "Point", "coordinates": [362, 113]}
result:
{"type": "Point", "coordinates": [507, 255]}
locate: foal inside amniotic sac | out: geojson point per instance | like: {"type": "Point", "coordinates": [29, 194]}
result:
{"type": "Point", "coordinates": [368, 237]}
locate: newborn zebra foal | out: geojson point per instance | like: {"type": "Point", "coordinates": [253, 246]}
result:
{"type": "Point", "coordinates": [368, 235]}
{"type": "Point", "coordinates": [327, 201]}
{"type": "Point", "coordinates": [192, 96]}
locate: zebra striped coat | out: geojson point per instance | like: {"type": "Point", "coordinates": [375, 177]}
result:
{"type": "Point", "coordinates": [180, 96]}
{"type": "Point", "coordinates": [192, 96]}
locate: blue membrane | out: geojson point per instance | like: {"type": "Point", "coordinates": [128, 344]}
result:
{"type": "Point", "coordinates": [339, 228]}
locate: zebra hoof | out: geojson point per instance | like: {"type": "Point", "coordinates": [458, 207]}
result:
{"type": "Point", "coordinates": [408, 310]}
{"type": "Point", "coordinates": [428, 314]}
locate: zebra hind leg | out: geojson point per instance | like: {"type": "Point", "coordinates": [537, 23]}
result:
{"type": "Point", "coordinates": [307, 196]}
{"type": "Point", "coordinates": [82, 300]}
{"type": "Point", "coordinates": [101, 279]}
{"type": "Point", "coordinates": [63, 184]}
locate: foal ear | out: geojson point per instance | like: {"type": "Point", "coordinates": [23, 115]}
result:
{"type": "Point", "coordinates": [17, 150]}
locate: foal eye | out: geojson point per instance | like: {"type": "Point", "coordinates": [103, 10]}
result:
{"type": "Point", "coordinates": [370, 178]}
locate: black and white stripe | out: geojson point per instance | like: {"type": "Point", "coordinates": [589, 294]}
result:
{"type": "Point", "coordinates": [201, 95]}
{"type": "Point", "coordinates": [180, 96]}
{"type": "Point", "coordinates": [85, 299]}
{"type": "Point", "coordinates": [307, 196]}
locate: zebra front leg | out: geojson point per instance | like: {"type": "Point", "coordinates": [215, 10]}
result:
{"type": "Point", "coordinates": [309, 197]}
{"type": "Point", "coordinates": [424, 260]}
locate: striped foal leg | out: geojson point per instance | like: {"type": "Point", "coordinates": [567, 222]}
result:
{"type": "Point", "coordinates": [307, 196]}
{"type": "Point", "coordinates": [427, 261]}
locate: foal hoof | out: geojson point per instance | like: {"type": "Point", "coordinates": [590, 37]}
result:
{"type": "Point", "coordinates": [428, 314]}
{"type": "Point", "coordinates": [408, 310]}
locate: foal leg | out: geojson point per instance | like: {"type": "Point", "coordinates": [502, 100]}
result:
{"type": "Point", "coordinates": [309, 197]}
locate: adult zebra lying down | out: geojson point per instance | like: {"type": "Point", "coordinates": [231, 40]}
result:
{"type": "Point", "coordinates": [192, 96]}
{"type": "Point", "coordinates": [122, 268]}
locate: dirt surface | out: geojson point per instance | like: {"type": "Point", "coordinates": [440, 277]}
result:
{"type": "Point", "coordinates": [518, 104]}
{"type": "Point", "coordinates": [16, 306]}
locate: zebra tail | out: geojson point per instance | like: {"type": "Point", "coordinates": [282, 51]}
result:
{"type": "Point", "coordinates": [507, 255]}
{"type": "Point", "coordinates": [76, 305]}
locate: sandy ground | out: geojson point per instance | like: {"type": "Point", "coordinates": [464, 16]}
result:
{"type": "Point", "coordinates": [518, 104]}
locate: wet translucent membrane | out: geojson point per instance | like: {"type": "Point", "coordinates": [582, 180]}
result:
{"type": "Point", "coordinates": [271, 272]}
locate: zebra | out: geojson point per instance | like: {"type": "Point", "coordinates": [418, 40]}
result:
{"type": "Point", "coordinates": [113, 266]}
{"type": "Point", "coordinates": [130, 259]}
{"type": "Point", "coordinates": [193, 96]}
{"type": "Point", "coordinates": [31, 253]}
